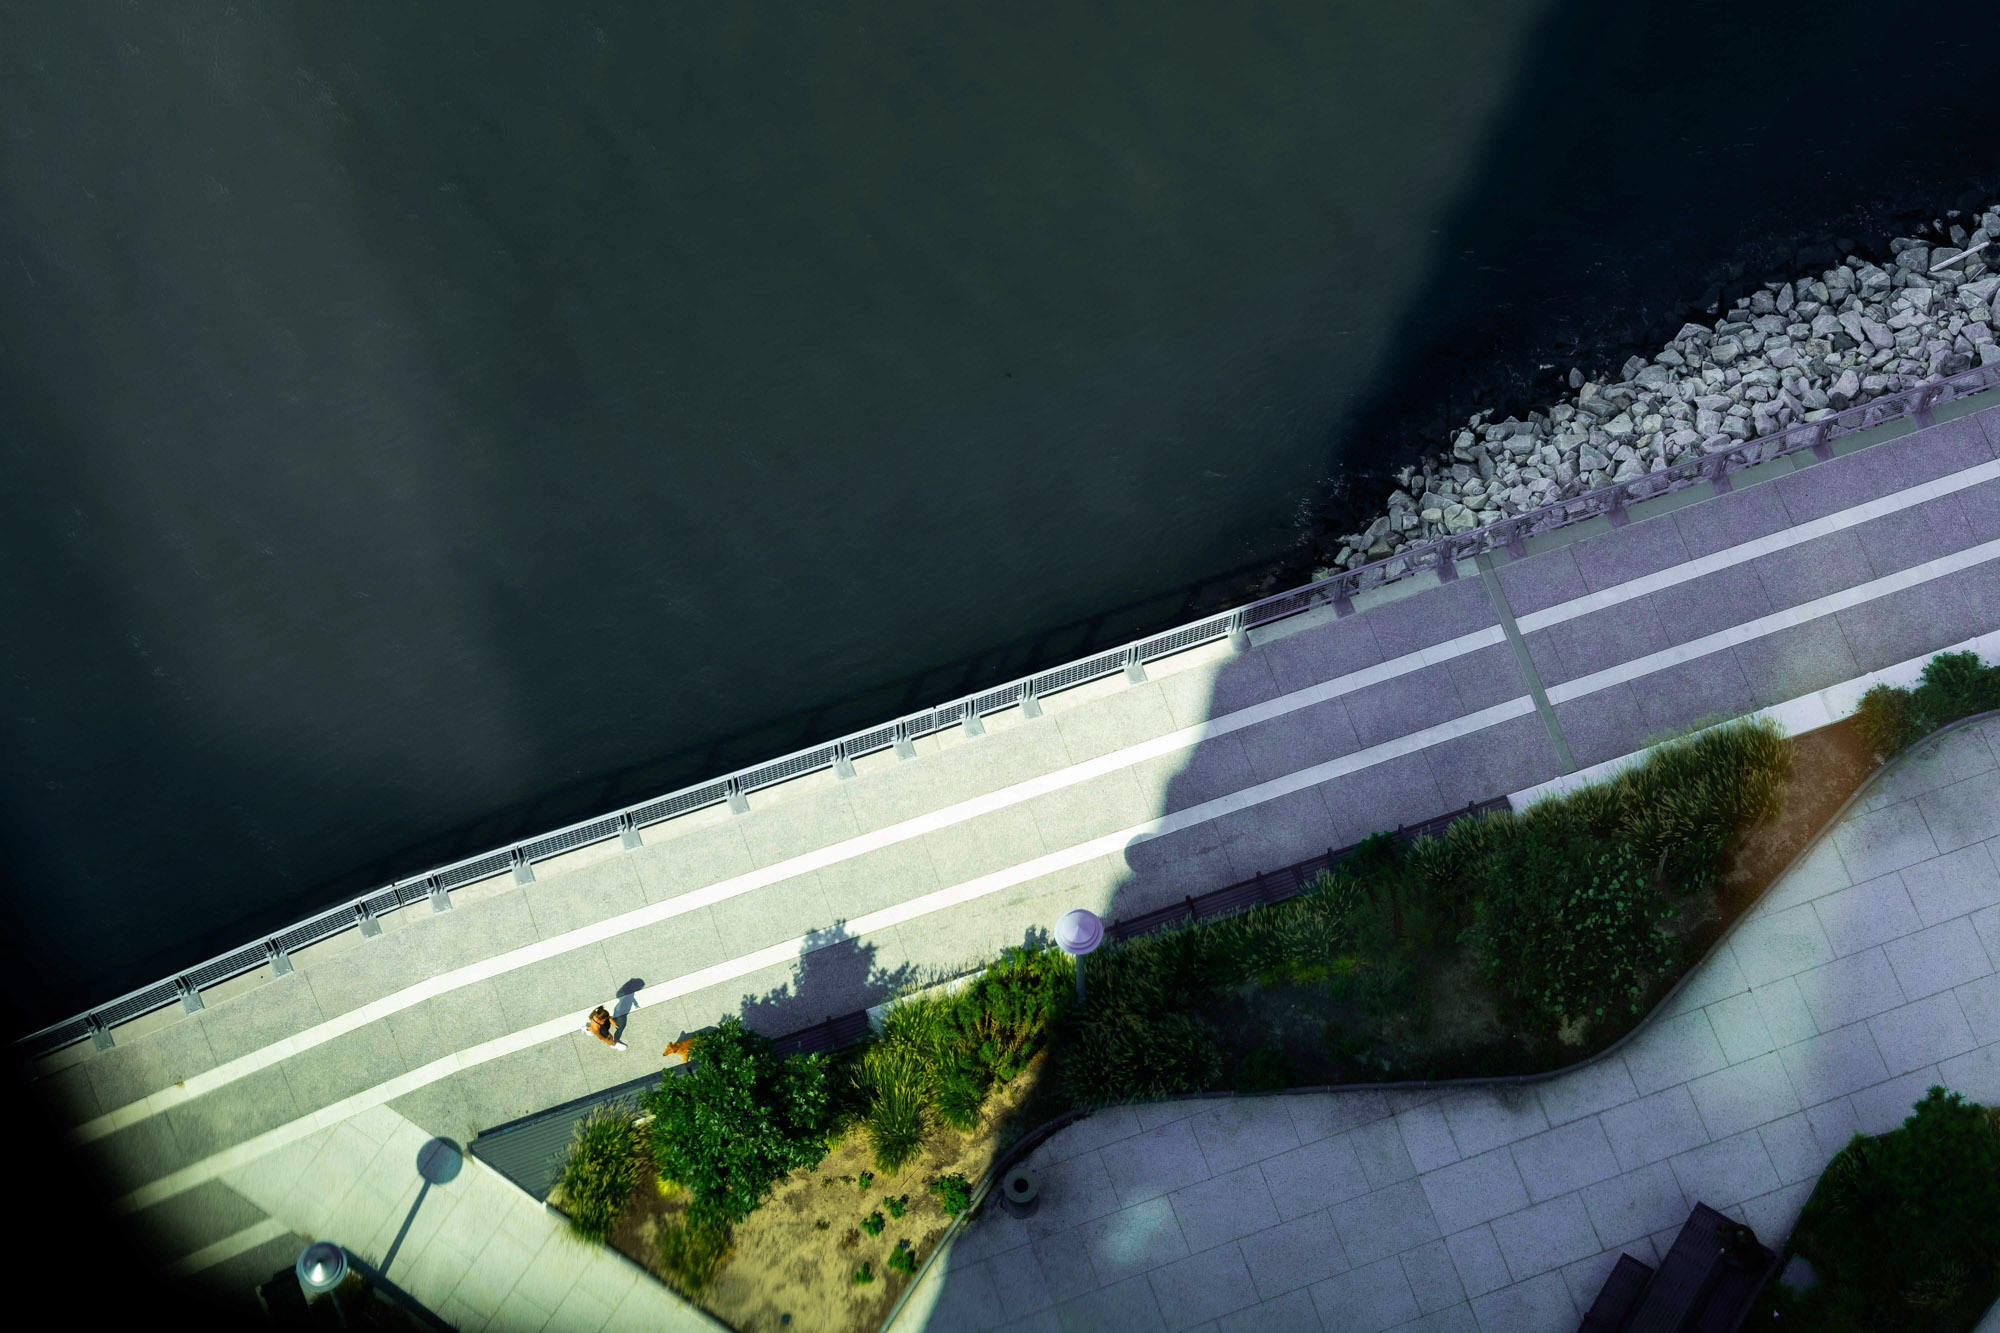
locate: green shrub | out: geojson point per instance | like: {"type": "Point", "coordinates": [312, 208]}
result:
{"type": "Point", "coordinates": [862, 1277]}
{"type": "Point", "coordinates": [737, 1119]}
{"type": "Point", "coordinates": [864, 1180]}
{"type": "Point", "coordinates": [897, 1205]}
{"type": "Point", "coordinates": [1569, 928]}
{"type": "Point", "coordinates": [904, 1260]}
{"type": "Point", "coordinates": [954, 1194]}
{"type": "Point", "coordinates": [1263, 1070]}
{"type": "Point", "coordinates": [897, 1084]}
{"type": "Point", "coordinates": [1904, 1229]}
{"type": "Point", "coordinates": [873, 1224]}
{"type": "Point", "coordinates": [1953, 685]}
{"type": "Point", "coordinates": [692, 1251]}
{"type": "Point", "coordinates": [598, 1174]}
{"type": "Point", "coordinates": [1887, 720]}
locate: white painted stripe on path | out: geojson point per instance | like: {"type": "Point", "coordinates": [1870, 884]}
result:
{"type": "Point", "coordinates": [228, 1248]}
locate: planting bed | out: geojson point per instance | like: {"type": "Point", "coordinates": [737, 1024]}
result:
{"type": "Point", "coordinates": [1443, 1019]}
{"type": "Point", "coordinates": [782, 1262]}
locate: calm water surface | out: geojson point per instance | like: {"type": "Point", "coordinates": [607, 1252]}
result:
{"type": "Point", "coordinates": [426, 425]}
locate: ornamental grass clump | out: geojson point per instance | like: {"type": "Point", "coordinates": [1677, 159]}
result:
{"type": "Point", "coordinates": [692, 1251]}
{"type": "Point", "coordinates": [897, 1086]}
{"type": "Point", "coordinates": [598, 1174]}
{"type": "Point", "coordinates": [954, 1049]}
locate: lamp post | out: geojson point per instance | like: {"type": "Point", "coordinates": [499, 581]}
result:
{"type": "Point", "coordinates": [1078, 932]}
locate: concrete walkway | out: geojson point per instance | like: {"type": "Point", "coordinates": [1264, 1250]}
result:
{"type": "Point", "coordinates": [1868, 974]}
{"type": "Point", "coordinates": [826, 895]}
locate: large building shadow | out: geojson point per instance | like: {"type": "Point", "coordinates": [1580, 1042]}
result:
{"type": "Point", "coordinates": [1677, 201]}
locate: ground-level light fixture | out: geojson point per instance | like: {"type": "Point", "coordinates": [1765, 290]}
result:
{"type": "Point", "coordinates": [321, 1267]}
{"type": "Point", "coordinates": [1077, 933]}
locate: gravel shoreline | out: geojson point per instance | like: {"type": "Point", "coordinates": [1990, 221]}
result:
{"type": "Point", "coordinates": [1790, 352]}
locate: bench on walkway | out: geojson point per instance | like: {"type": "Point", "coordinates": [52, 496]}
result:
{"type": "Point", "coordinates": [1704, 1285]}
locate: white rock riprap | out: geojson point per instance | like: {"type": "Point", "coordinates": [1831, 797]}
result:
{"type": "Point", "coordinates": [1795, 351]}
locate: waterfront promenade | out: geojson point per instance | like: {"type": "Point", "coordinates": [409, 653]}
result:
{"type": "Point", "coordinates": [233, 1131]}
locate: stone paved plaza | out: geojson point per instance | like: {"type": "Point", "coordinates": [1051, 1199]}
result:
{"type": "Point", "coordinates": [1867, 974]}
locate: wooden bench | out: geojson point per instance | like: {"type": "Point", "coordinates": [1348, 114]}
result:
{"type": "Point", "coordinates": [1698, 1288]}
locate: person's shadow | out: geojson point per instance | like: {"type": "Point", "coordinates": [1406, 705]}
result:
{"type": "Point", "coordinates": [626, 1002]}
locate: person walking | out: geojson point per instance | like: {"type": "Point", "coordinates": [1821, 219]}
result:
{"type": "Point", "coordinates": [599, 1026]}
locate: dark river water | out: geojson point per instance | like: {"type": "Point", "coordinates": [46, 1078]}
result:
{"type": "Point", "coordinates": [422, 425]}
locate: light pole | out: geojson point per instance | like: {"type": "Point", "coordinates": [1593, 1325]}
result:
{"type": "Point", "coordinates": [1078, 932]}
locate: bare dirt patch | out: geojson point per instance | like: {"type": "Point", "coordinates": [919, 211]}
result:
{"type": "Point", "coordinates": [797, 1254]}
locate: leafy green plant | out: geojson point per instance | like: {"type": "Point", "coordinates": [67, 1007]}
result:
{"type": "Point", "coordinates": [1569, 928]}
{"type": "Point", "coordinates": [904, 1260]}
{"type": "Point", "coordinates": [896, 1205]}
{"type": "Point", "coordinates": [862, 1277]}
{"type": "Point", "coordinates": [873, 1224]}
{"type": "Point", "coordinates": [1904, 1229]}
{"type": "Point", "coordinates": [864, 1180]}
{"type": "Point", "coordinates": [737, 1119]}
{"type": "Point", "coordinates": [692, 1250]}
{"type": "Point", "coordinates": [598, 1174]}
{"type": "Point", "coordinates": [954, 1194]}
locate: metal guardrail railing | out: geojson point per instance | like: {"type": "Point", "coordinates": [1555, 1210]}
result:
{"type": "Point", "coordinates": [1440, 556]}
{"type": "Point", "coordinates": [528, 1150]}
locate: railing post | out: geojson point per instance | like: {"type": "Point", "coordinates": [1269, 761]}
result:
{"type": "Point", "coordinates": [1717, 467]}
{"type": "Point", "coordinates": [628, 833]}
{"type": "Point", "coordinates": [1135, 673]}
{"type": "Point", "coordinates": [1030, 706]}
{"type": "Point", "coordinates": [365, 916]}
{"type": "Point", "coordinates": [1616, 510]}
{"type": "Point", "coordinates": [100, 1036]}
{"type": "Point", "coordinates": [843, 767]}
{"type": "Point", "coordinates": [738, 802]}
{"type": "Point", "coordinates": [1517, 545]}
{"type": "Point", "coordinates": [524, 873]}
{"type": "Point", "coordinates": [1447, 559]}
{"type": "Point", "coordinates": [1343, 605]}
{"type": "Point", "coordinates": [279, 957]}
{"type": "Point", "coordinates": [440, 896]}
{"type": "Point", "coordinates": [905, 747]}
{"type": "Point", "coordinates": [970, 720]}
{"type": "Point", "coordinates": [190, 997]}
{"type": "Point", "coordinates": [1822, 447]}
{"type": "Point", "coordinates": [1926, 396]}
{"type": "Point", "coordinates": [1239, 632]}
